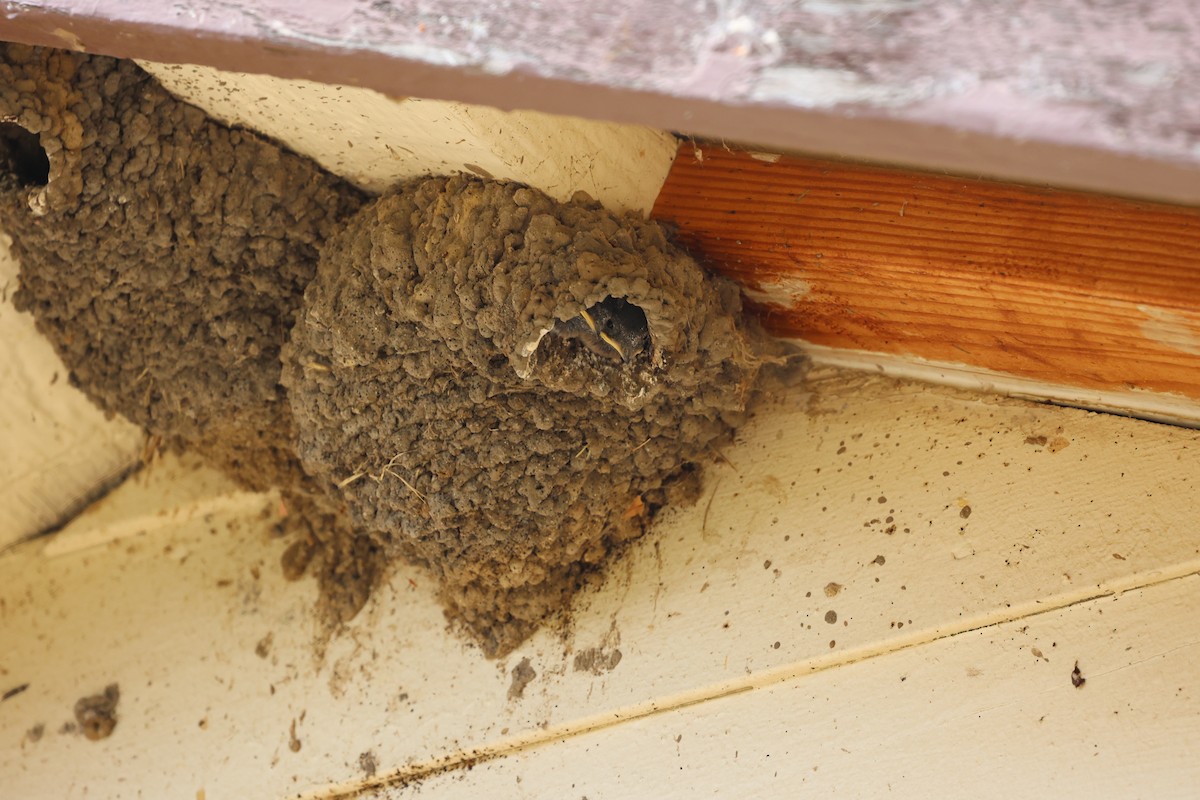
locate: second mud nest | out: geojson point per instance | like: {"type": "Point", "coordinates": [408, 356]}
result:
{"type": "Point", "coordinates": [165, 256]}
{"type": "Point", "coordinates": [505, 387]}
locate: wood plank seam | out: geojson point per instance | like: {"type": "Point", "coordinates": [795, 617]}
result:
{"type": "Point", "coordinates": [759, 680]}
{"type": "Point", "coordinates": [1157, 407]}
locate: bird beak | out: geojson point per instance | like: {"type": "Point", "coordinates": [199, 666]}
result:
{"type": "Point", "coordinates": [611, 342]}
{"type": "Point", "coordinates": [591, 323]}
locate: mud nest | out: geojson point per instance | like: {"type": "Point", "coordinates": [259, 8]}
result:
{"type": "Point", "coordinates": [163, 254]}
{"type": "Point", "coordinates": [506, 387]}
{"type": "Point", "coordinates": [480, 379]}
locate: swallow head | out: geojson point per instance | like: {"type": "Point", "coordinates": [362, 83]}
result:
{"type": "Point", "coordinates": [613, 329]}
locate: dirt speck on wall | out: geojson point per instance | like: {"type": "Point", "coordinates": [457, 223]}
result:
{"type": "Point", "coordinates": [97, 714]}
{"type": "Point", "coordinates": [506, 387]}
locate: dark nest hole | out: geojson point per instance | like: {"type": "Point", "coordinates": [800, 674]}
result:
{"type": "Point", "coordinates": [22, 156]}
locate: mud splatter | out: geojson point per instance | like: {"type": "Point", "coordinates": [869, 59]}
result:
{"type": "Point", "coordinates": [13, 692]}
{"type": "Point", "coordinates": [97, 714]}
{"type": "Point", "coordinates": [597, 660]}
{"type": "Point", "coordinates": [522, 674]}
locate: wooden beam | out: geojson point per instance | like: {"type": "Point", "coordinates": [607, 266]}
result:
{"type": "Point", "coordinates": [1099, 96]}
{"type": "Point", "coordinates": [1060, 287]}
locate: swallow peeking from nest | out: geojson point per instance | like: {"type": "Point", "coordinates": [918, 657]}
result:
{"type": "Point", "coordinates": [613, 329]}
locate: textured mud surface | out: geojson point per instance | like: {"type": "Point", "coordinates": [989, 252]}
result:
{"type": "Point", "coordinates": [495, 385]}
{"type": "Point", "coordinates": [443, 384]}
{"type": "Point", "coordinates": [163, 254]}
{"type": "Point", "coordinates": [165, 257]}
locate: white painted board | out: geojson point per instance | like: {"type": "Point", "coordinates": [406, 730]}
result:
{"type": "Point", "coordinates": [728, 598]}
{"type": "Point", "coordinates": [976, 714]}
{"type": "Point", "coordinates": [1165, 407]}
{"type": "Point", "coordinates": [56, 448]}
{"type": "Point", "coordinates": [375, 141]}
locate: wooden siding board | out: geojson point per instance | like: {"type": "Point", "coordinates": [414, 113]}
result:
{"type": "Point", "coordinates": [1063, 287]}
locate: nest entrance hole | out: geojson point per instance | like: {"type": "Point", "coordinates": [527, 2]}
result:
{"type": "Point", "coordinates": [22, 156]}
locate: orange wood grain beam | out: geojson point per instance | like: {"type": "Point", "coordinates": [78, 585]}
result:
{"type": "Point", "coordinates": [1063, 287]}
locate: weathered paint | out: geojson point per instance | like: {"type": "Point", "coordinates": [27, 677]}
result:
{"type": "Point", "coordinates": [1172, 329]}
{"type": "Point", "coordinates": [1098, 95]}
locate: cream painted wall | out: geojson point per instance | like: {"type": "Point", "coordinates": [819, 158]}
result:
{"type": "Point", "coordinates": [885, 587]}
